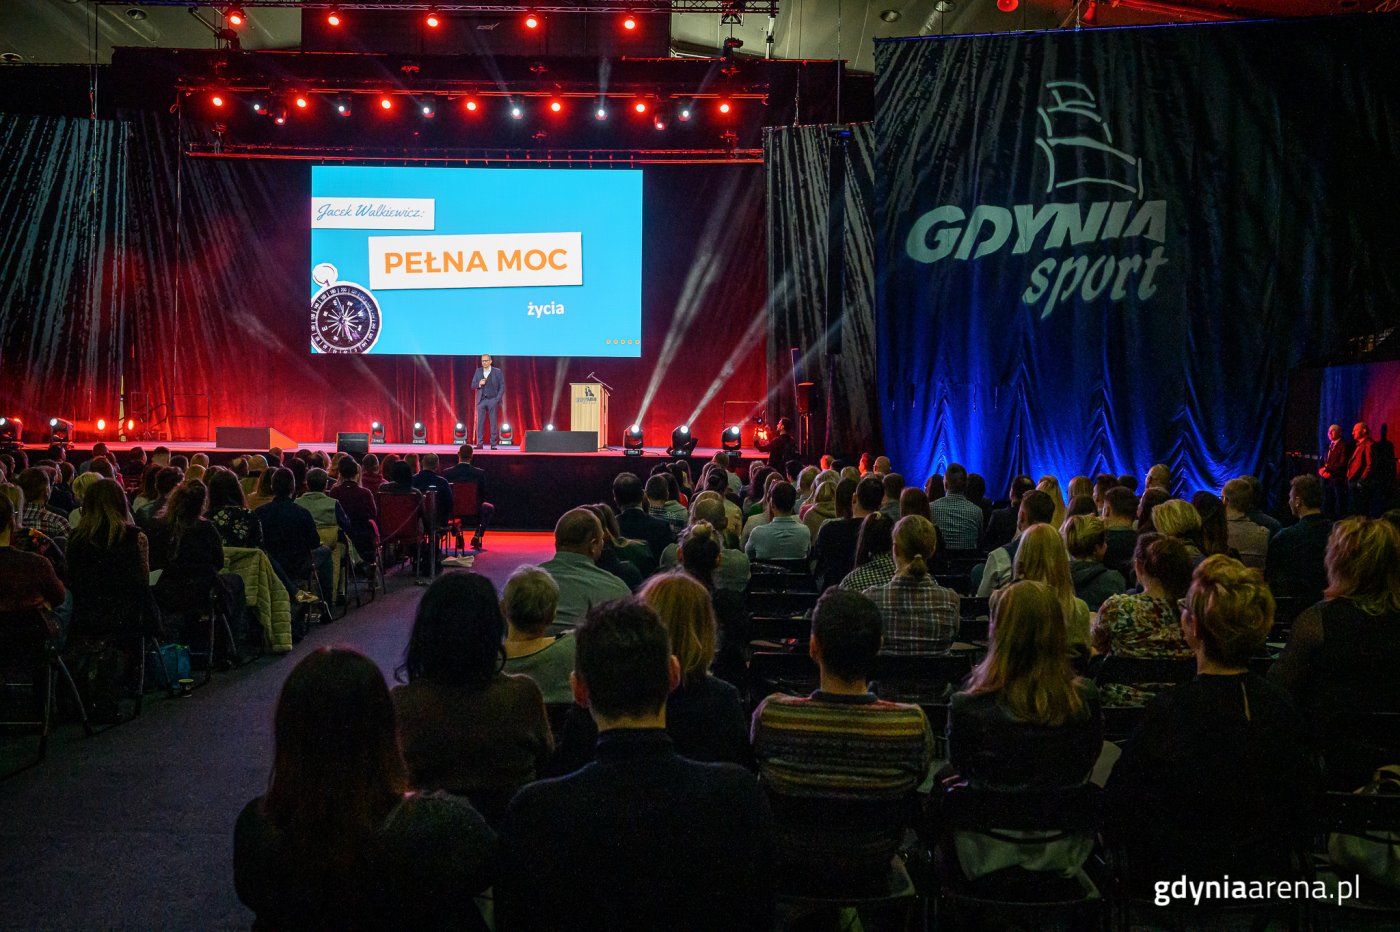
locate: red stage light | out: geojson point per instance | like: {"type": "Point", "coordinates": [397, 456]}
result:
{"type": "Point", "coordinates": [301, 103]}
{"type": "Point", "coordinates": [234, 17]}
{"type": "Point", "coordinates": [130, 424]}
{"type": "Point", "coordinates": [556, 106]}
{"type": "Point", "coordinates": [433, 20]}
{"type": "Point", "coordinates": [101, 425]}
{"type": "Point", "coordinates": [532, 21]}
{"type": "Point", "coordinates": [387, 103]}
{"type": "Point", "coordinates": [471, 106]}
{"type": "Point", "coordinates": [629, 23]}
{"type": "Point", "coordinates": [724, 104]}
{"type": "Point", "coordinates": [640, 106]}
{"type": "Point", "coordinates": [216, 100]}
{"type": "Point", "coordinates": [333, 18]}
{"type": "Point", "coordinates": [1008, 6]}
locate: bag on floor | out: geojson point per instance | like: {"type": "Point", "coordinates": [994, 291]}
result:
{"type": "Point", "coordinates": [1374, 859]}
{"type": "Point", "coordinates": [172, 666]}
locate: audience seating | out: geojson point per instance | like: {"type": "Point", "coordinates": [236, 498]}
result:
{"type": "Point", "coordinates": [897, 678]}
{"type": "Point", "coordinates": [402, 520]}
{"type": "Point", "coordinates": [29, 652]}
{"type": "Point", "coordinates": [780, 604]}
{"type": "Point", "coordinates": [1151, 673]}
{"type": "Point", "coordinates": [1375, 819]}
{"type": "Point", "coordinates": [197, 599]}
{"type": "Point", "coordinates": [781, 576]}
{"type": "Point", "coordinates": [466, 511]}
{"type": "Point", "coordinates": [991, 901]}
{"type": "Point", "coordinates": [1287, 608]}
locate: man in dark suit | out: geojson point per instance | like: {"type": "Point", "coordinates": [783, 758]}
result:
{"type": "Point", "coordinates": [1334, 473]}
{"type": "Point", "coordinates": [640, 838]}
{"type": "Point", "coordinates": [632, 519]}
{"type": "Point", "coordinates": [490, 385]}
{"type": "Point", "coordinates": [464, 471]}
{"type": "Point", "coordinates": [1001, 526]}
{"type": "Point", "coordinates": [1296, 565]}
{"type": "Point", "coordinates": [783, 446]}
{"type": "Point", "coordinates": [428, 480]}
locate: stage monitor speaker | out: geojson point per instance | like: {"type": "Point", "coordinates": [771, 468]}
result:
{"type": "Point", "coordinates": [252, 438]}
{"type": "Point", "coordinates": [357, 445]}
{"type": "Point", "coordinates": [561, 441]}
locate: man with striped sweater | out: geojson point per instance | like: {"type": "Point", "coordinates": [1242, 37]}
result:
{"type": "Point", "coordinates": [841, 766]}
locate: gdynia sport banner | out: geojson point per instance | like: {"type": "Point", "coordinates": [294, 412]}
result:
{"type": "Point", "coordinates": [1105, 249]}
{"type": "Point", "coordinates": [463, 261]}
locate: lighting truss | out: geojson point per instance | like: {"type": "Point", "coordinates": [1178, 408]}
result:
{"type": "Point", "coordinates": [757, 7]}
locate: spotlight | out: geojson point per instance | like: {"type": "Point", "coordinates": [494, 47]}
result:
{"type": "Point", "coordinates": [601, 113]}
{"type": "Point", "coordinates": [343, 107]}
{"type": "Point", "coordinates": [126, 428]}
{"type": "Point", "coordinates": [556, 107]}
{"type": "Point", "coordinates": [333, 17]}
{"type": "Point", "coordinates": [11, 430]}
{"type": "Point", "coordinates": [428, 111]}
{"type": "Point", "coordinates": [760, 435]}
{"type": "Point", "coordinates": [235, 17]}
{"type": "Point", "coordinates": [420, 433]}
{"type": "Point", "coordinates": [386, 103]}
{"type": "Point", "coordinates": [301, 102]}
{"type": "Point", "coordinates": [683, 112]}
{"type": "Point", "coordinates": [640, 106]}
{"type": "Point", "coordinates": [376, 432]}
{"type": "Point", "coordinates": [632, 441]}
{"type": "Point", "coordinates": [217, 100]}
{"type": "Point", "coordinates": [682, 442]}
{"type": "Point", "coordinates": [629, 22]}
{"type": "Point", "coordinates": [1008, 6]}
{"type": "Point", "coordinates": [279, 116]}
{"type": "Point", "coordinates": [658, 121]}
{"type": "Point", "coordinates": [549, 427]}
{"type": "Point", "coordinates": [101, 425]}
{"type": "Point", "coordinates": [731, 45]}
{"type": "Point", "coordinates": [729, 440]}
{"type": "Point", "coordinates": [471, 105]}
{"type": "Point", "coordinates": [459, 433]}
{"type": "Point", "coordinates": [516, 112]}
{"type": "Point", "coordinates": [60, 431]}
{"type": "Point", "coordinates": [532, 21]}
{"type": "Point", "coordinates": [434, 18]}
{"type": "Point", "coordinates": [506, 434]}
{"type": "Point", "coordinates": [260, 106]}
{"type": "Point", "coordinates": [724, 106]}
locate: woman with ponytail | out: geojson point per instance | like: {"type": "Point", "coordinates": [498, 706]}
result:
{"type": "Point", "coordinates": [920, 616]}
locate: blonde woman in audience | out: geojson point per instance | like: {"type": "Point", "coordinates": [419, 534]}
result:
{"type": "Point", "coordinates": [195, 471]}
{"type": "Point", "coordinates": [1081, 485]}
{"type": "Point", "coordinates": [806, 482]}
{"type": "Point", "coordinates": [529, 602]}
{"type": "Point", "coordinates": [1178, 518]}
{"type": "Point", "coordinates": [1042, 556]}
{"type": "Point", "coordinates": [257, 468]}
{"type": "Point", "coordinates": [81, 483]}
{"type": "Point", "coordinates": [1051, 487]}
{"type": "Point", "coordinates": [850, 472]}
{"type": "Point", "coordinates": [262, 492]}
{"type": "Point", "coordinates": [821, 508]}
{"type": "Point", "coordinates": [919, 616]}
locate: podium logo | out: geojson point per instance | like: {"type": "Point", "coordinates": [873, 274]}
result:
{"type": "Point", "coordinates": [1080, 154]}
{"type": "Point", "coordinates": [543, 310]}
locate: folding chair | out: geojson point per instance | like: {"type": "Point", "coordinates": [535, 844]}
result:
{"type": "Point", "coordinates": [401, 522]}
{"type": "Point", "coordinates": [29, 648]}
{"type": "Point", "coordinates": [197, 597]}
{"type": "Point", "coordinates": [466, 510]}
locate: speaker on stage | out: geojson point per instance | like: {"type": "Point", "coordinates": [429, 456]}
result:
{"type": "Point", "coordinates": [357, 445]}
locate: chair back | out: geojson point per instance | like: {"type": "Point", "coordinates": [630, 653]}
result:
{"type": "Point", "coordinates": [464, 499]}
{"type": "Point", "coordinates": [25, 635]}
{"type": "Point", "coordinates": [400, 517]}
{"type": "Point", "coordinates": [186, 590]}
{"type": "Point", "coordinates": [919, 679]}
{"type": "Point", "coordinates": [1155, 673]}
{"type": "Point", "coordinates": [1077, 810]}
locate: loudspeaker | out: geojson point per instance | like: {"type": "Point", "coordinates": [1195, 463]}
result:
{"type": "Point", "coordinates": [561, 441]}
{"type": "Point", "coordinates": [357, 445]}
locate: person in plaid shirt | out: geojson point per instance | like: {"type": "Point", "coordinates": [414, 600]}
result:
{"type": "Point", "coordinates": [920, 616]}
{"type": "Point", "coordinates": [34, 483]}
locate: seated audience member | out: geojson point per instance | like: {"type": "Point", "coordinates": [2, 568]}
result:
{"type": "Point", "coordinates": [37, 514]}
{"type": "Point", "coordinates": [1216, 778]}
{"type": "Point", "coordinates": [920, 616]}
{"type": "Point", "coordinates": [1080, 505]}
{"type": "Point", "coordinates": [894, 486]}
{"type": "Point", "coordinates": [752, 502]}
{"type": "Point", "coordinates": [467, 727]}
{"type": "Point", "coordinates": [806, 482]}
{"type": "Point", "coordinates": [977, 494]}
{"type": "Point", "coordinates": [834, 547]}
{"type": "Point", "coordinates": [1001, 524]}
{"type": "Point", "coordinates": [1148, 623]}
{"type": "Point", "coordinates": [166, 482]}
{"type": "Point", "coordinates": [1042, 557]}
{"type": "Point", "coordinates": [1296, 564]}
{"type": "Point", "coordinates": [1051, 487]}
{"type": "Point", "coordinates": [959, 519]}
{"type": "Point", "coordinates": [1119, 511]}
{"type": "Point", "coordinates": [529, 602]}
{"type": "Point", "coordinates": [913, 501]}
{"type": "Point", "coordinates": [619, 555]}
{"type": "Point", "coordinates": [109, 568]}
{"type": "Point", "coordinates": [1080, 485]}
{"type": "Point", "coordinates": [578, 542]}
{"type": "Point", "coordinates": [632, 519]}
{"type": "Point", "coordinates": [820, 509]}
{"type": "Point", "coordinates": [289, 533]}
{"type": "Point", "coordinates": [704, 715]}
{"type": "Point", "coordinates": [1250, 539]}
{"type": "Point", "coordinates": [79, 489]}
{"type": "Point", "coordinates": [881, 467]}
{"type": "Point", "coordinates": [934, 487]}
{"type": "Point", "coordinates": [661, 503]}
{"type": "Point", "coordinates": [839, 826]}
{"type": "Point", "coordinates": [1342, 653]}
{"type": "Point", "coordinates": [361, 507]}
{"type": "Point", "coordinates": [428, 480]}
{"type": "Point", "coordinates": [641, 838]}
{"type": "Point", "coordinates": [1036, 508]}
{"type": "Point", "coordinates": [466, 472]}
{"type": "Point", "coordinates": [1256, 513]}
{"type": "Point", "coordinates": [324, 509]}
{"type": "Point", "coordinates": [259, 491]}
{"type": "Point", "coordinates": [701, 555]}
{"type": "Point", "coordinates": [134, 465]}
{"type": "Point", "coordinates": [228, 512]}
{"type": "Point", "coordinates": [874, 554]}
{"type": "Point", "coordinates": [765, 512]}
{"type": "Point", "coordinates": [1102, 483]}
{"type": "Point", "coordinates": [733, 571]}
{"type": "Point", "coordinates": [1178, 518]}
{"type": "Point", "coordinates": [1087, 543]}
{"type": "Point", "coordinates": [371, 478]}
{"type": "Point", "coordinates": [1158, 477]}
{"type": "Point", "coordinates": [61, 497]}
{"type": "Point", "coordinates": [1146, 504]}
{"type": "Point", "coordinates": [784, 537]}
{"type": "Point", "coordinates": [1024, 722]}
{"type": "Point", "coordinates": [27, 580]}
{"type": "Point", "coordinates": [1215, 533]}
{"type": "Point", "coordinates": [338, 841]}
{"type": "Point", "coordinates": [187, 548]}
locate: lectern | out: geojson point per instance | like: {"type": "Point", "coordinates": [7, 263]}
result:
{"type": "Point", "coordinates": [589, 409]}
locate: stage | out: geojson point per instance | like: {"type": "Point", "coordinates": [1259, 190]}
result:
{"type": "Point", "coordinates": [530, 490]}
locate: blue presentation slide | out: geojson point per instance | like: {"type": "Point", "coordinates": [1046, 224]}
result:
{"type": "Point", "coordinates": [465, 261]}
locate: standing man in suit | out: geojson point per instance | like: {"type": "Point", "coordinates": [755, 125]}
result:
{"type": "Point", "coordinates": [1359, 470]}
{"type": "Point", "coordinates": [490, 385]}
{"type": "Point", "coordinates": [1334, 473]}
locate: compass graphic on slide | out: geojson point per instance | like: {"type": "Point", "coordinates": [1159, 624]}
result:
{"type": "Point", "coordinates": [345, 317]}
